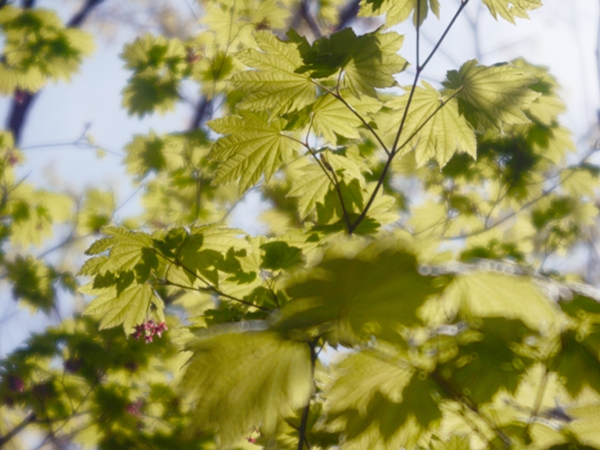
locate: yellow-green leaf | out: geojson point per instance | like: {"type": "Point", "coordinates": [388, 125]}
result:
{"type": "Point", "coordinates": [254, 147]}
{"type": "Point", "coordinates": [245, 381]}
{"type": "Point", "coordinates": [273, 86]}
{"type": "Point", "coordinates": [493, 96]}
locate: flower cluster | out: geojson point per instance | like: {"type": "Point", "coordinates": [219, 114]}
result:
{"type": "Point", "coordinates": [147, 330]}
{"type": "Point", "coordinates": [135, 408]}
{"type": "Point", "coordinates": [15, 384]}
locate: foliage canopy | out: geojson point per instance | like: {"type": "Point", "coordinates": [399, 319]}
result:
{"type": "Point", "coordinates": [199, 335]}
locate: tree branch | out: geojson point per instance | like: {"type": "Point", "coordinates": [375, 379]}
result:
{"type": "Point", "coordinates": [395, 147]}
{"type": "Point", "coordinates": [202, 111]}
{"type": "Point", "coordinates": [306, 411]}
{"type": "Point", "coordinates": [310, 20]}
{"type": "Point", "coordinates": [388, 164]}
{"type": "Point", "coordinates": [31, 417]}
{"type": "Point", "coordinates": [348, 15]}
{"type": "Point", "coordinates": [19, 108]}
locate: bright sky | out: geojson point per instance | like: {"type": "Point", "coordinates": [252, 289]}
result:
{"type": "Point", "coordinates": [562, 35]}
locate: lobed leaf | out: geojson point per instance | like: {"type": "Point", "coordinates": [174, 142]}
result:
{"type": "Point", "coordinates": [492, 97]}
{"type": "Point", "coordinates": [245, 381]}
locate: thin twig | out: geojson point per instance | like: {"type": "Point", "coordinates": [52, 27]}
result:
{"type": "Point", "coordinates": [395, 147]}
{"type": "Point", "coordinates": [367, 125]}
{"type": "Point", "coordinates": [30, 418]}
{"type": "Point", "coordinates": [388, 164]}
{"type": "Point", "coordinates": [470, 405]}
{"type": "Point", "coordinates": [302, 439]}
{"type": "Point", "coordinates": [525, 206]}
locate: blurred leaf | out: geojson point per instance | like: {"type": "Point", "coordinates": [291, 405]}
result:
{"type": "Point", "coordinates": [509, 9]}
{"type": "Point", "coordinates": [492, 97]}
{"type": "Point", "coordinates": [370, 294]}
{"type": "Point", "coordinates": [246, 380]}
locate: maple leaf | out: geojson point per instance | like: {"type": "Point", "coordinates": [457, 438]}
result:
{"type": "Point", "coordinates": [254, 147]}
{"type": "Point", "coordinates": [509, 9]}
{"type": "Point", "coordinates": [442, 131]}
{"type": "Point", "coordinates": [274, 86]}
{"type": "Point", "coordinates": [492, 96]}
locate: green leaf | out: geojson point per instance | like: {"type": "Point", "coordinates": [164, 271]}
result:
{"type": "Point", "coordinates": [579, 182]}
{"type": "Point", "coordinates": [455, 443]}
{"type": "Point", "coordinates": [37, 47]}
{"type": "Point", "coordinates": [397, 11]}
{"type": "Point", "coordinates": [509, 9]}
{"type": "Point", "coordinates": [359, 376]}
{"type": "Point", "coordinates": [158, 64]}
{"type": "Point", "coordinates": [127, 248]}
{"type": "Point", "coordinates": [311, 185]}
{"type": "Point", "coordinates": [512, 297]}
{"type": "Point", "coordinates": [32, 282]}
{"type": "Point", "coordinates": [279, 255]}
{"type": "Point", "coordinates": [373, 64]}
{"type": "Point", "coordinates": [100, 246]}
{"type": "Point", "coordinates": [487, 364]}
{"type": "Point", "coordinates": [274, 86]}
{"type": "Point", "coordinates": [491, 97]}
{"type": "Point", "coordinates": [326, 55]}
{"type": "Point", "coordinates": [379, 401]}
{"type": "Point", "coordinates": [370, 294]}
{"type": "Point", "coordinates": [129, 308]}
{"type": "Point", "coordinates": [578, 362]}
{"type": "Point", "coordinates": [253, 148]}
{"type": "Point", "coordinates": [443, 133]}
{"type": "Point", "coordinates": [331, 116]}
{"type": "Point", "coordinates": [242, 381]}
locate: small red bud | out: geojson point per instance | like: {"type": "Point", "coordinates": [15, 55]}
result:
{"type": "Point", "coordinates": [19, 96]}
{"type": "Point", "coordinates": [15, 383]}
{"type": "Point", "coordinates": [12, 159]}
{"type": "Point", "coordinates": [135, 408]}
{"type": "Point", "coordinates": [191, 56]}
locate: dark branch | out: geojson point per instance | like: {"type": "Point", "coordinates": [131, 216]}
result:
{"type": "Point", "coordinates": [19, 109]}
{"type": "Point", "coordinates": [302, 440]}
{"type": "Point", "coordinates": [310, 20]}
{"type": "Point", "coordinates": [348, 14]}
{"type": "Point", "coordinates": [201, 113]}
{"type": "Point", "coordinates": [20, 106]}
{"type": "Point", "coordinates": [16, 430]}
{"type": "Point", "coordinates": [78, 19]}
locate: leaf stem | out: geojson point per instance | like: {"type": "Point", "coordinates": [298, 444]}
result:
{"type": "Point", "coordinates": [472, 406]}
{"type": "Point", "coordinates": [30, 418]}
{"type": "Point", "coordinates": [388, 163]}
{"type": "Point", "coordinates": [208, 288]}
{"type": "Point", "coordinates": [334, 181]}
{"type": "Point", "coordinates": [395, 147]}
{"type": "Point", "coordinates": [339, 97]}
{"type": "Point", "coordinates": [213, 290]}
{"type": "Point", "coordinates": [306, 410]}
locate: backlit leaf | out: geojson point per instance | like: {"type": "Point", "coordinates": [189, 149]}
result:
{"type": "Point", "coordinates": [242, 381]}
{"type": "Point", "coordinates": [373, 64]}
{"type": "Point", "coordinates": [274, 86]}
{"type": "Point", "coordinates": [498, 295]}
{"type": "Point", "coordinates": [444, 131]}
{"type": "Point", "coordinates": [371, 294]}
{"type": "Point", "coordinates": [492, 96]}
{"type": "Point", "coordinates": [397, 11]}
{"type": "Point", "coordinates": [509, 9]}
{"type": "Point", "coordinates": [253, 148]}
